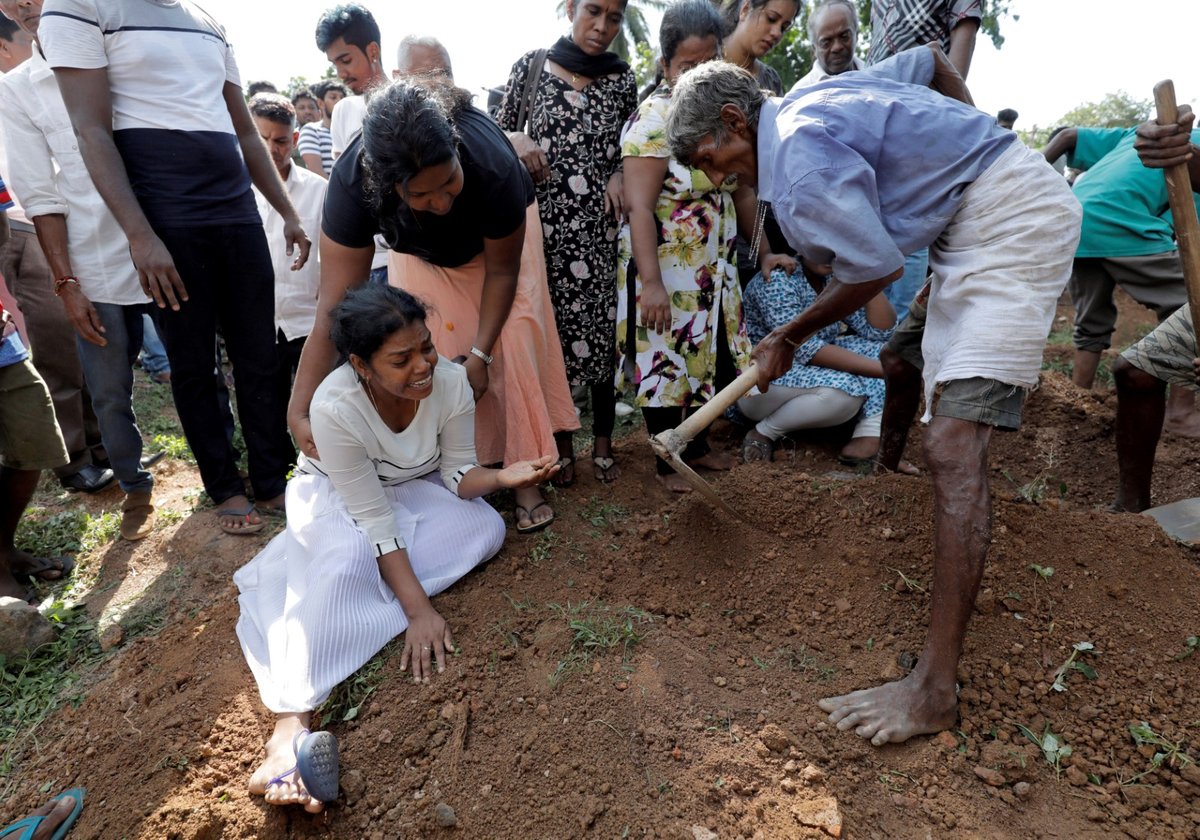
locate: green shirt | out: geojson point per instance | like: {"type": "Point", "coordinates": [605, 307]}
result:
{"type": "Point", "coordinates": [1125, 207]}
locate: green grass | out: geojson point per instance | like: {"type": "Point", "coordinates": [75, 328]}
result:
{"type": "Point", "coordinates": [68, 532]}
{"type": "Point", "coordinates": [346, 700]}
{"type": "Point", "coordinates": [36, 683]}
{"type": "Point", "coordinates": [596, 630]}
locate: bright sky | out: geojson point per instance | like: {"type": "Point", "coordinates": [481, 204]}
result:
{"type": "Point", "coordinates": [1060, 53]}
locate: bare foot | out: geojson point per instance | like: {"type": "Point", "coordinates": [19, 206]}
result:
{"type": "Point", "coordinates": [861, 447]}
{"type": "Point", "coordinates": [1187, 425]}
{"type": "Point", "coordinates": [674, 482]}
{"type": "Point", "coordinates": [277, 780]}
{"type": "Point", "coordinates": [893, 712]}
{"type": "Point", "coordinates": [713, 460]}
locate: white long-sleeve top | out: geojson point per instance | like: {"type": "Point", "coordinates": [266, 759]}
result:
{"type": "Point", "coordinates": [361, 455]}
{"type": "Point", "coordinates": [37, 136]}
{"type": "Point", "coordinates": [295, 291]}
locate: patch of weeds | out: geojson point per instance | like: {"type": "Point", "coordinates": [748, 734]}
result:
{"type": "Point", "coordinates": [176, 761]}
{"type": "Point", "coordinates": [67, 532]}
{"type": "Point", "coordinates": [895, 780]}
{"type": "Point", "coordinates": [600, 514]}
{"type": "Point", "coordinates": [37, 682]}
{"type": "Point", "coordinates": [169, 516]}
{"type": "Point", "coordinates": [1075, 663]}
{"type": "Point", "coordinates": [597, 629]}
{"type": "Point", "coordinates": [345, 701]}
{"type": "Point", "coordinates": [802, 661]}
{"type": "Point", "coordinates": [1062, 336]}
{"type": "Point", "coordinates": [543, 548]}
{"type": "Point", "coordinates": [911, 584]}
{"type": "Point", "coordinates": [721, 725]}
{"type": "Point", "coordinates": [519, 606]}
{"type": "Point", "coordinates": [1044, 572]}
{"type": "Point", "coordinates": [1054, 748]}
{"type": "Point", "coordinates": [1036, 491]}
{"type": "Point", "coordinates": [1192, 643]}
{"type": "Point", "coordinates": [1057, 365]}
{"type": "Point", "coordinates": [1167, 752]}
{"type": "Point", "coordinates": [146, 622]}
{"type": "Point", "coordinates": [174, 445]}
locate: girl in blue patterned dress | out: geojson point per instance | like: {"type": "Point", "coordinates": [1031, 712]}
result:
{"type": "Point", "coordinates": [836, 375]}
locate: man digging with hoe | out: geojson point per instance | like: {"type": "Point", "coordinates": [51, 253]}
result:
{"type": "Point", "coordinates": [861, 169]}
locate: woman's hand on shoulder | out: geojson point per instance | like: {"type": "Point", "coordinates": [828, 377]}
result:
{"type": "Point", "coordinates": [527, 473]}
{"type": "Point", "coordinates": [531, 154]}
{"type": "Point", "coordinates": [426, 642]}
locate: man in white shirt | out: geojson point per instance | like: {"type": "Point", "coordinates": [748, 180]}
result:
{"type": "Point", "coordinates": [88, 257]}
{"type": "Point", "coordinates": [155, 98]}
{"type": "Point", "coordinates": [29, 279]}
{"type": "Point", "coordinates": [295, 291]}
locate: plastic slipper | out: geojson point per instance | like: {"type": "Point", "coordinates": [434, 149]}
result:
{"type": "Point", "coordinates": [43, 566]}
{"type": "Point", "coordinates": [248, 528]}
{"type": "Point", "coordinates": [533, 526]}
{"type": "Point", "coordinates": [317, 763]}
{"type": "Point", "coordinates": [601, 465]}
{"type": "Point", "coordinates": [29, 825]}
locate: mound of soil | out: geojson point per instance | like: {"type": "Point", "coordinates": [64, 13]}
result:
{"type": "Point", "coordinates": [650, 668]}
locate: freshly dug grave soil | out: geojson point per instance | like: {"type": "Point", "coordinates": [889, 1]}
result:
{"type": "Point", "coordinates": [701, 720]}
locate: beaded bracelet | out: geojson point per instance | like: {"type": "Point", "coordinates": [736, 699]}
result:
{"type": "Point", "coordinates": [62, 281]}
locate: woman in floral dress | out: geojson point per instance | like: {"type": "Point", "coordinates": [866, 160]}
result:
{"type": "Point", "coordinates": [571, 148]}
{"type": "Point", "coordinates": [679, 305]}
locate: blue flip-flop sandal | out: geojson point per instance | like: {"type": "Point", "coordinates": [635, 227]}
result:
{"type": "Point", "coordinates": [29, 825]}
{"type": "Point", "coordinates": [317, 763]}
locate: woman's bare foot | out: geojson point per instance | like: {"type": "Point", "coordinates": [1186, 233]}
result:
{"type": "Point", "coordinates": [56, 812]}
{"type": "Point", "coordinates": [860, 448]}
{"type": "Point", "coordinates": [272, 780]}
{"type": "Point", "coordinates": [534, 503]}
{"type": "Point", "coordinates": [276, 503]}
{"type": "Point", "coordinates": [674, 482]}
{"type": "Point", "coordinates": [713, 460]}
{"type": "Point", "coordinates": [893, 712]}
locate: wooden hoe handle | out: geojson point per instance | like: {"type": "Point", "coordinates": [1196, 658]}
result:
{"type": "Point", "coordinates": [714, 408]}
{"type": "Point", "coordinates": [1183, 208]}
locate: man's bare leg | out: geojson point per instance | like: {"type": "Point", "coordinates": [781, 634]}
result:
{"type": "Point", "coordinates": [1083, 372]}
{"type": "Point", "coordinates": [925, 701]}
{"type": "Point", "coordinates": [1141, 402]}
{"type": "Point", "coordinates": [900, 404]}
{"type": "Point", "coordinates": [16, 489]}
{"type": "Point", "coordinates": [1182, 418]}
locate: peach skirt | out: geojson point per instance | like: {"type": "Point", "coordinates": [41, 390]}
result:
{"type": "Point", "coordinates": [528, 398]}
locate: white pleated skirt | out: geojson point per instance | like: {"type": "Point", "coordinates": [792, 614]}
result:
{"type": "Point", "coordinates": [314, 607]}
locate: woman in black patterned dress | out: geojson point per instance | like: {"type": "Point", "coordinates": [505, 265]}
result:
{"type": "Point", "coordinates": [571, 146]}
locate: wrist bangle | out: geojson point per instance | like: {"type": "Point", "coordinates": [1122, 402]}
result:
{"type": "Point", "coordinates": [487, 360]}
{"type": "Point", "coordinates": [63, 281]}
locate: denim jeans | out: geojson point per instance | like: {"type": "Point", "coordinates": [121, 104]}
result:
{"type": "Point", "coordinates": [902, 292]}
{"type": "Point", "coordinates": [230, 282]}
{"type": "Point", "coordinates": [109, 374]}
{"type": "Point", "coordinates": [154, 355]}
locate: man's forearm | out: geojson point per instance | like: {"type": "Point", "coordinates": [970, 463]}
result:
{"type": "Point", "coordinates": [52, 236]}
{"type": "Point", "coordinates": [108, 173]}
{"type": "Point", "coordinates": [962, 45]}
{"type": "Point", "coordinates": [836, 302]}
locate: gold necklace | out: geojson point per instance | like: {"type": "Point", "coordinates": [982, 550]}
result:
{"type": "Point", "coordinates": [760, 217]}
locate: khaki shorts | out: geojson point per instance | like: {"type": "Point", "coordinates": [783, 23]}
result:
{"type": "Point", "coordinates": [977, 400]}
{"type": "Point", "coordinates": [1167, 352]}
{"type": "Point", "coordinates": [29, 435]}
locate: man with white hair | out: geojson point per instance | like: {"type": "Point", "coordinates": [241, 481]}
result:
{"type": "Point", "coordinates": [422, 55]}
{"type": "Point", "coordinates": [861, 169]}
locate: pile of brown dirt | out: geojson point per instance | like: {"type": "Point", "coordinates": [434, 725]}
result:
{"type": "Point", "coordinates": [650, 668]}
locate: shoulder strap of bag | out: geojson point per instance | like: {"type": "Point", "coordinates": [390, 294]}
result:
{"type": "Point", "coordinates": [525, 111]}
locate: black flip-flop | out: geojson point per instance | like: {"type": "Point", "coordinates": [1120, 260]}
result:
{"type": "Point", "coordinates": [43, 566]}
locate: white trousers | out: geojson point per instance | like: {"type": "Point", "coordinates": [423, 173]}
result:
{"type": "Point", "coordinates": [314, 607]}
{"type": "Point", "coordinates": [783, 410]}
